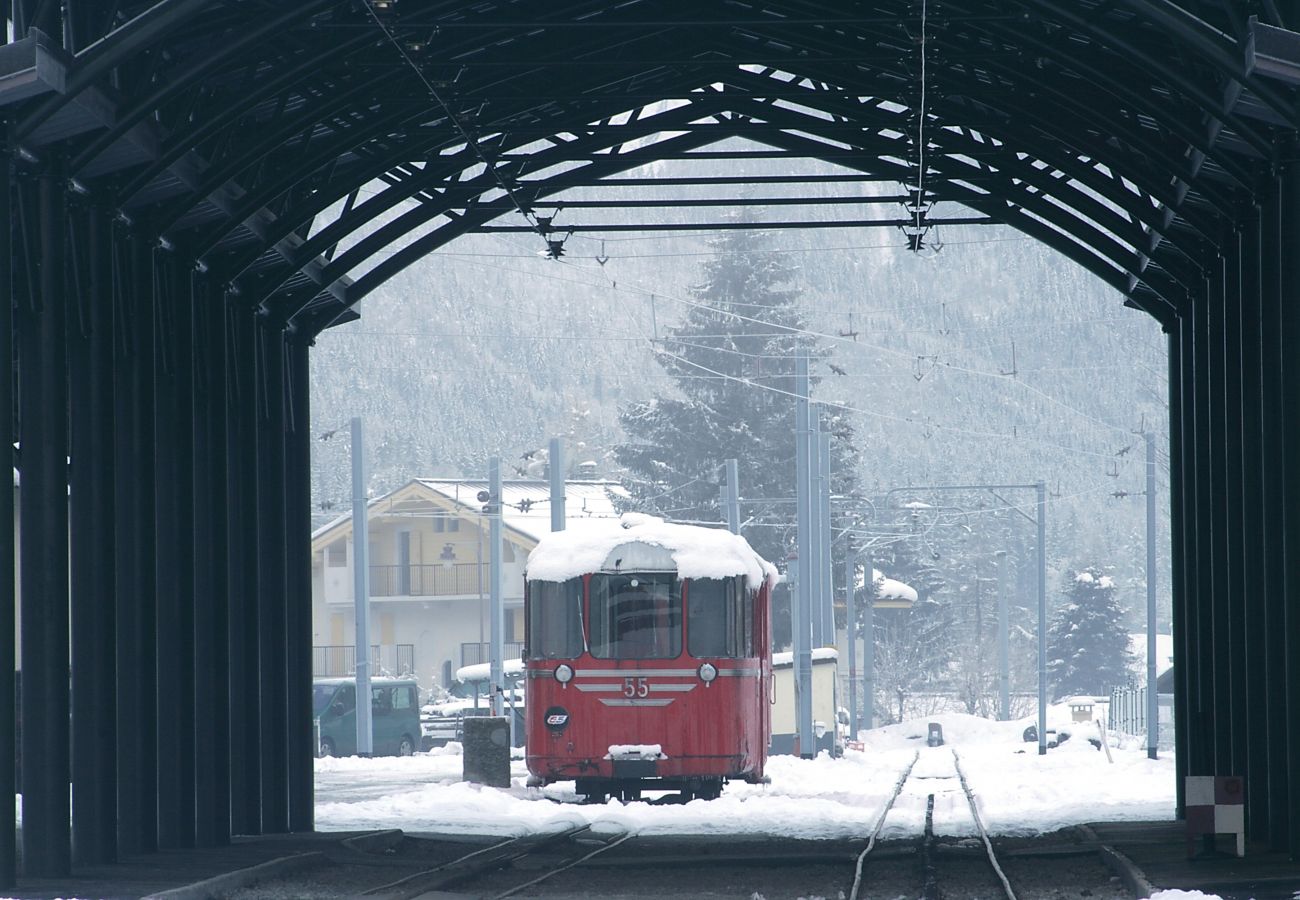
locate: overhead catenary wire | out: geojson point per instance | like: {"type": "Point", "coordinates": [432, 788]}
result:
{"type": "Point", "coordinates": [832, 404]}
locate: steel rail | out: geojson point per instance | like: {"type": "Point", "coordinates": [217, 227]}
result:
{"type": "Point", "coordinates": [880, 823]}
{"type": "Point", "coordinates": [569, 865]}
{"type": "Point", "coordinates": [414, 884]}
{"type": "Point", "coordinates": [979, 826]}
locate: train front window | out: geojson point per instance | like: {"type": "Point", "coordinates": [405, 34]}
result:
{"type": "Point", "coordinates": [636, 616]}
{"type": "Point", "coordinates": [554, 619]}
{"type": "Point", "coordinates": [719, 618]}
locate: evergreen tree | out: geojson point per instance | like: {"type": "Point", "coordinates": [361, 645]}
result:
{"type": "Point", "coordinates": [1087, 644]}
{"type": "Point", "coordinates": [731, 364]}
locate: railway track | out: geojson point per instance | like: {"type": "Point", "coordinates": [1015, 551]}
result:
{"type": "Point", "coordinates": [934, 780]}
{"type": "Point", "coordinates": [556, 852]}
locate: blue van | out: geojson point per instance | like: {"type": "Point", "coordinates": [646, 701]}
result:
{"type": "Point", "coordinates": [394, 715]}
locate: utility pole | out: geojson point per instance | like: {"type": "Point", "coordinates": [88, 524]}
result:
{"type": "Point", "coordinates": [801, 609]}
{"type": "Point", "coordinates": [1153, 701]}
{"type": "Point", "coordinates": [495, 681]}
{"type": "Point", "coordinates": [361, 591]}
{"type": "Point", "coordinates": [555, 469]}
{"type": "Point", "coordinates": [733, 496]}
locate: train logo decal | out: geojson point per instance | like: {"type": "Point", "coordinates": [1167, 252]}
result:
{"type": "Point", "coordinates": [557, 718]}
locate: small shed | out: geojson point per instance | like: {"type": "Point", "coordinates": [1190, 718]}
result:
{"type": "Point", "coordinates": [1081, 708]}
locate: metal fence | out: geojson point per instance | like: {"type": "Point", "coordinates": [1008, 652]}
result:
{"type": "Point", "coordinates": [339, 660]}
{"type": "Point", "coordinates": [1128, 714]}
{"type": "Point", "coordinates": [439, 580]}
{"type": "Point", "coordinates": [473, 653]}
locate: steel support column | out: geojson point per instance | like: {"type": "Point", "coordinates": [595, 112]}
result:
{"type": "Point", "coordinates": [1218, 603]}
{"type": "Point", "coordinates": [92, 536]}
{"type": "Point", "coordinates": [47, 837]}
{"type": "Point", "coordinates": [272, 583]}
{"type": "Point", "coordinates": [1251, 539]}
{"type": "Point", "coordinates": [1200, 620]}
{"type": "Point", "coordinates": [301, 748]}
{"type": "Point", "coordinates": [134, 514]}
{"type": "Point", "coordinates": [1290, 341]}
{"type": "Point", "coordinates": [8, 599]}
{"type": "Point", "coordinates": [1178, 549]}
{"type": "Point", "coordinates": [1272, 466]}
{"type": "Point", "coordinates": [174, 554]}
{"type": "Point", "coordinates": [211, 573]}
{"type": "Point", "coordinates": [243, 530]}
{"type": "Point", "coordinates": [1230, 647]}
{"type": "Point", "coordinates": [1178, 544]}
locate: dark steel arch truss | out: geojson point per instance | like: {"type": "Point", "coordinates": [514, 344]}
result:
{"type": "Point", "coordinates": [196, 188]}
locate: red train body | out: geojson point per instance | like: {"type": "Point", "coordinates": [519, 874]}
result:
{"type": "Point", "coordinates": [648, 659]}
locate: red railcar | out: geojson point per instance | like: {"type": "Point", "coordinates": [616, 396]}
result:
{"type": "Point", "coordinates": [648, 657]}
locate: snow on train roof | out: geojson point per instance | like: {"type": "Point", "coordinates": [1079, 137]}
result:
{"type": "Point", "coordinates": [698, 552]}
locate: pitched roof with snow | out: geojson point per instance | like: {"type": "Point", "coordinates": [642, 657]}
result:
{"type": "Point", "coordinates": [526, 504]}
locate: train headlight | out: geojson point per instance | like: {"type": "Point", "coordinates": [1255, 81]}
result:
{"type": "Point", "coordinates": [563, 673]}
{"type": "Point", "coordinates": [708, 673]}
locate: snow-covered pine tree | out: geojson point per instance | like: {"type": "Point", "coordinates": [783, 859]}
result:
{"type": "Point", "coordinates": [731, 365]}
{"type": "Point", "coordinates": [1087, 643]}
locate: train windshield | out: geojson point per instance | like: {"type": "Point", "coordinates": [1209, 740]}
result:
{"type": "Point", "coordinates": [719, 618]}
{"type": "Point", "coordinates": [636, 616]}
{"type": "Point", "coordinates": [554, 626]}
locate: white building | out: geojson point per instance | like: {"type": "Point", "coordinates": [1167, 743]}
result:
{"type": "Point", "coordinates": [429, 567]}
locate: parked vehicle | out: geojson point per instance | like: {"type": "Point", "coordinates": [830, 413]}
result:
{"type": "Point", "coordinates": [648, 659]}
{"type": "Point", "coordinates": [394, 711]}
{"type": "Point", "coordinates": [469, 695]}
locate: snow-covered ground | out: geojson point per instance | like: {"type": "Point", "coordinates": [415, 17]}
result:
{"type": "Point", "coordinates": [1019, 792]}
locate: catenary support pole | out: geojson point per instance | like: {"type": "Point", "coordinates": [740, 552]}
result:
{"type": "Point", "coordinates": [812, 564]}
{"type": "Point", "coordinates": [868, 642]}
{"type": "Point", "coordinates": [1004, 654]}
{"type": "Point", "coordinates": [1042, 618]}
{"type": "Point", "coordinates": [827, 605]}
{"type": "Point", "coordinates": [1153, 724]}
{"type": "Point", "coordinates": [801, 607]}
{"type": "Point", "coordinates": [851, 639]}
{"type": "Point", "coordinates": [494, 584]}
{"type": "Point", "coordinates": [555, 469]}
{"type": "Point", "coordinates": [733, 496]}
{"type": "Point", "coordinates": [361, 590]}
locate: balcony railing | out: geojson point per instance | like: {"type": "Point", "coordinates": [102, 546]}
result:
{"type": "Point", "coordinates": [473, 653]}
{"type": "Point", "coordinates": [339, 660]}
{"type": "Point", "coordinates": [436, 580]}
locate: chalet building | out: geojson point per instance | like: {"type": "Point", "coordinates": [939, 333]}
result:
{"type": "Point", "coordinates": [429, 567]}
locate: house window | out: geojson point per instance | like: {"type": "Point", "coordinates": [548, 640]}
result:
{"type": "Point", "coordinates": [453, 524]}
{"type": "Point", "coordinates": [439, 523]}
{"type": "Point", "coordinates": [336, 554]}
